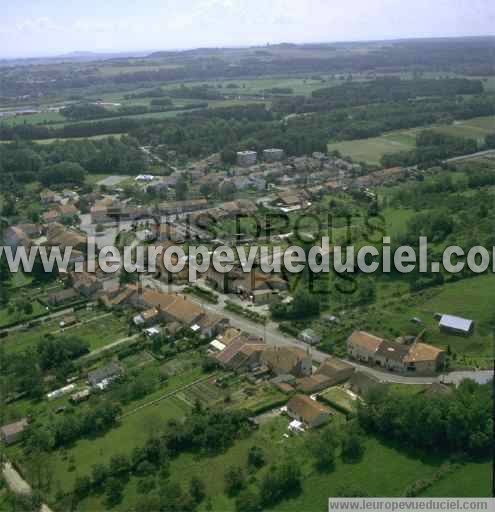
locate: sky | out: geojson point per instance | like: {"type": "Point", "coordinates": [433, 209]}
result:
{"type": "Point", "coordinates": [53, 27]}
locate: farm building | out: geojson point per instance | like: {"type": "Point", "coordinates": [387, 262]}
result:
{"type": "Point", "coordinates": [423, 358]}
{"type": "Point", "coordinates": [313, 383]}
{"type": "Point", "coordinates": [456, 325]}
{"type": "Point", "coordinates": [103, 376]}
{"type": "Point", "coordinates": [361, 383]}
{"type": "Point", "coordinates": [309, 336]}
{"type": "Point", "coordinates": [80, 396]}
{"type": "Point", "coordinates": [243, 352]}
{"type": "Point", "coordinates": [363, 346]}
{"type": "Point", "coordinates": [12, 432]}
{"type": "Point", "coordinates": [308, 411]}
{"type": "Point", "coordinates": [283, 360]}
{"type": "Point", "coordinates": [390, 355]}
{"type": "Point", "coordinates": [273, 155]}
{"type": "Point", "coordinates": [246, 158]}
{"type": "Point", "coordinates": [336, 370]}
{"type": "Point", "coordinates": [85, 283]}
{"type": "Point", "coordinates": [418, 357]}
{"type": "Point", "coordinates": [62, 297]}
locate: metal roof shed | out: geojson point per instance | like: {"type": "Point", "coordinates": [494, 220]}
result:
{"type": "Point", "coordinates": [456, 324]}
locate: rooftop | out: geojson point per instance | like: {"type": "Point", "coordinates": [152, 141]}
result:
{"type": "Point", "coordinates": [456, 322]}
{"type": "Point", "coordinates": [422, 352]}
{"type": "Point", "coordinates": [365, 340]}
{"type": "Point", "coordinates": [306, 408]}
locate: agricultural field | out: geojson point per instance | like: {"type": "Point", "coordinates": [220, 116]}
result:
{"type": "Point", "coordinates": [371, 150]}
{"type": "Point", "coordinates": [38, 118]}
{"type": "Point", "coordinates": [206, 393]}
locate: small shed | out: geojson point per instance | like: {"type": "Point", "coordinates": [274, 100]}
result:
{"type": "Point", "coordinates": [13, 431]}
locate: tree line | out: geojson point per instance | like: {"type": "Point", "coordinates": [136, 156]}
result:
{"type": "Point", "coordinates": [460, 422]}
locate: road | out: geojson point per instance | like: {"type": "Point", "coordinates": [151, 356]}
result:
{"type": "Point", "coordinates": [472, 155]}
{"type": "Point", "coordinates": [17, 484]}
{"type": "Point", "coordinates": [273, 336]}
{"type": "Point", "coordinates": [147, 151]}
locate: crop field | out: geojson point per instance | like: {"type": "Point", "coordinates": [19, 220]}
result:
{"type": "Point", "coordinates": [256, 398]}
{"type": "Point", "coordinates": [38, 118]}
{"type": "Point", "coordinates": [371, 150]}
{"type": "Point", "coordinates": [134, 68]}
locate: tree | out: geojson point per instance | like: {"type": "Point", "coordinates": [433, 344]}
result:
{"type": "Point", "coordinates": [256, 457]}
{"type": "Point", "coordinates": [305, 304]}
{"type": "Point", "coordinates": [63, 172]}
{"type": "Point", "coordinates": [281, 481]}
{"type": "Point", "coordinates": [352, 446]}
{"type": "Point", "coordinates": [234, 480]}
{"type": "Point", "coordinates": [113, 491]}
{"type": "Point", "coordinates": [145, 485]}
{"type": "Point", "coordinates": [367, 291]}
{"type": "Point", "coordinates": [173, 499]}
{"type": "Point", "coordinates": [181, 189]}
{"type": "Point", "coordinates": [99, 474]}
{"type": "Point", "coordinates": [197, 490]}
{"type": "Point", "coordinates": [24, 307]}
{"type": "Point", "coordinates": [119, 464]}
{"type": "Point", "coordinates": [323, 446]}
{"type": "Point", "coordinates": [227, 190]}
{"type": "Point", "coordinates": [82, 487]}
{"type": "Point", "coordinates": [40, 275]}
{"type": "Point", "coordinates": [248, 501]}
{"type": "Point", "coordinates": [4, 280]}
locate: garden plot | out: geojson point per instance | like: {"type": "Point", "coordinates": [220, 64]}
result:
{"type": "Point", "coordinates": [207, 393]}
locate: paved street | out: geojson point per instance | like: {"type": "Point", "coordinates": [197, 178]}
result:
{"type": "Point", "coordinates": [272, 336]}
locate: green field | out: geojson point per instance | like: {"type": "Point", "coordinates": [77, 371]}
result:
{"type": "Point", "coordinates": [133, 430]}
{"type": "Point", "coordinates": [338, 398]}
{"type": "Point", "coordinates": [470, 480]}
{"type": "Point", "coordinates": [7, 317]}
{"type": "Point", "coordinates": [94, 328]}
{"type": "Point", "coordinates": [371, 150]}
{"type": "Point", "coordinates": [470, 298]}
{"type": "Point", "coordinates": [39, 118]}
{"type": "Point", "coordinates": [384, 471]}
{"type": "Point", "coordinates": [393, 472]}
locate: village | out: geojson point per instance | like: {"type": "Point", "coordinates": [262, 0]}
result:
{"type": "Point", "coordinates": [100, 359]}
{"type": "Point", "coordinates": [225, 314]}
